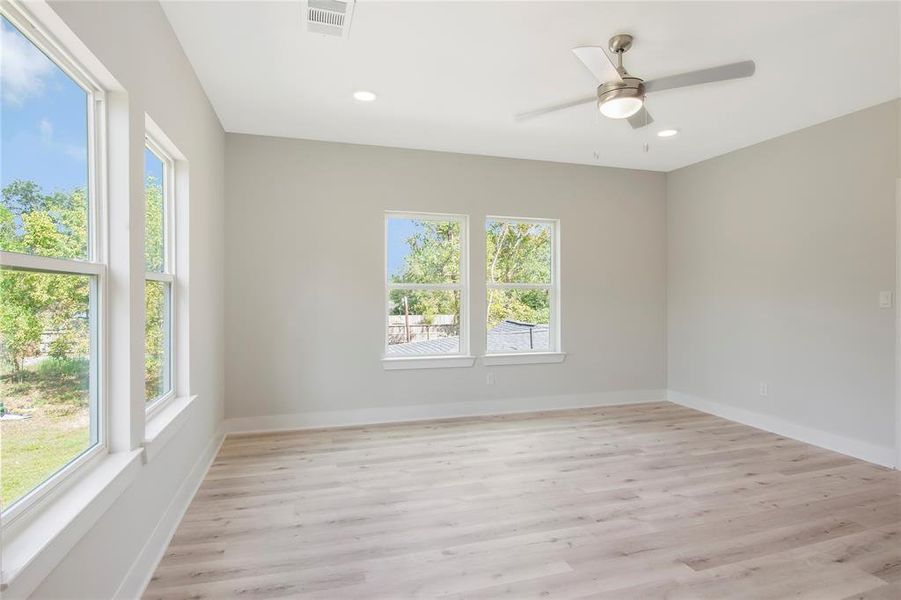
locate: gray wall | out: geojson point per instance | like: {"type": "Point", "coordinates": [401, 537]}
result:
{"type": "Point", "coordinates": [136, 44]}
{"type": "Point", "coordinates": [304, 299]}
{"type": "Point", "coordinates": [776, 256]}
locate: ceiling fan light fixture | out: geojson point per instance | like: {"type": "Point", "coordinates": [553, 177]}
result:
{"type": "Point", "coordinates": [621, 99]}
{"type": "Point", "coordinates": [665, 133]}
{"type": "Point", "coordinates": [622, 107]}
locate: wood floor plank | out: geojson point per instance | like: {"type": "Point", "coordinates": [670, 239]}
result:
{"type": "Point", "coordinates": [640, 501]}
{"type": "Point", "coordinates": [890, 591]}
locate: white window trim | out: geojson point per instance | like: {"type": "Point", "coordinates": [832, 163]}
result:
{"type": "Point", "coordinates": [169, 273]}
{"type": "Point", "coordinates": [462, 358]}
{"type": "Point", "coordinates": [554, 353]}
{"type": "Point", "coordinates": [34, 548]}
{"type": "Point", "coordinates": [427, 362]}
{"type": "Point", "coordinates": [165, 424]}
{"type": "Point", "coordinates": [523, 358]}
{"type": "Point", "coordinates": [20, 513]}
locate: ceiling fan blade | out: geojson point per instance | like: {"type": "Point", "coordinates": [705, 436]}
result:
{"type": "Point", "coordinates": [641, 119]}
{"type": "Point", "coordinates": [549, 109]}
{"type": "Point", "coordinates": [722, 73]}
{"type": "Point", "coordinates": [598, 62]}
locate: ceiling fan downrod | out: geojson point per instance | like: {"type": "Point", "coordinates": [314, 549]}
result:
{"type": "Point", "coordinates": [619, 45]}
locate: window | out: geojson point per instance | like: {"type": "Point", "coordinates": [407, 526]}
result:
{"type": "Point", "coordinates": [426, 285]}
{"type": "Point", "coordinates": [521, 272]}
{"type": "Point", "coordinates": [52, 268]}
{"type": "Point", "coordinates": [159, 277]}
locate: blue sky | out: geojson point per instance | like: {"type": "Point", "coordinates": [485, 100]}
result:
{"type": "Point", "coordinates": [152, 166]}
{"type": "Point", "coordinates": [43, 126]}
{"type": "Point", "coordinates": [399, 230]}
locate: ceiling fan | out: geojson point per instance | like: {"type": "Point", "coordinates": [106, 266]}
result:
{"type": "Point", "coordinates": [621, 95]}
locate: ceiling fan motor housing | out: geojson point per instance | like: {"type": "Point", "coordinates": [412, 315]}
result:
{"type": "Point", "coordinates": [629, 87]}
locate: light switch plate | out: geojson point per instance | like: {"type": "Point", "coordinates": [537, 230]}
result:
{"type": "Point", "coordinates": [885, 299]}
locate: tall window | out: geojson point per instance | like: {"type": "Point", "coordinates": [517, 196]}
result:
{"type": "Point", "coordinates": [51, 268]}
{"type": "Point", "coordinates": [521, 285]}
{"type": "Point", "coordinates": [426, 285]}
{"type": "Point", "coordinates": [159, 279]}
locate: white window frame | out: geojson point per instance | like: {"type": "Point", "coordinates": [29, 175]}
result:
{"type": "Point", "coordinates": [168, 274]}
{"type": "Point", "coordinates": [462, 357]}
{"type": "Point", "coordinates": [95, 266]}
{"type": "Point", "coordinates": [554, 353]}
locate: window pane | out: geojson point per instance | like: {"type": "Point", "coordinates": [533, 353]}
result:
{"type": "Point", "coordinates": [43, 166]}
{"type": "Point", "coordinates": [423, 322]}
{"type": "Point", "coordinates": [518, 320]}
{"type": "Point", "coordinates": [518, 252]}
{"type": "Point", "coordinates": [423, 251]}
{"type": "Point", "coordinates": [154, 224]}
{"type": "Point", "coordinates": [45, 393]}
{"type": "Point", "coordinates": [157, 348]}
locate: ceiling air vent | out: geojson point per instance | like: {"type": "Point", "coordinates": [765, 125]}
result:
{"type": "Point", "coordinates": [331, 17]}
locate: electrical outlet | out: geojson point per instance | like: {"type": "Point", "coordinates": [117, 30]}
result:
{"type": "Point", "coordinates": [885, 299]}
{"type": "Point", "coordinates": [764, 389]}
{"type": "Point", "coordinates": [489, 378]}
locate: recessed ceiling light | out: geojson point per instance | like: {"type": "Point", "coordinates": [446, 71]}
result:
{"type": "Point", "coordinates": [364, 96]}
{"type": "Point", "coordinates": [667, 132]}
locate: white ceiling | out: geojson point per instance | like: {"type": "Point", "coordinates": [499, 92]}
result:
{"type": "Point", "coordinates": [450, 75]}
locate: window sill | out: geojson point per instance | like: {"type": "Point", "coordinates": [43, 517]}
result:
{"type": "Point", "coordinates": [37, 547]}
{"type": "Point", "coordinates": [524, 358]}
{"type": "Point", "coordinates": [163, 425]}
{"type": "Point", "coordinates": [427, 362]}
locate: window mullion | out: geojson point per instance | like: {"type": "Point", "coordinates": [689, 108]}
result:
{"type": "Point", "coordinates": [165, 277]}
{"type": "Point", "coordinates": [453, 287]}
{"type": "Point", "coordinates": [48, 264]}
{"type": "Point", "coordinates": [520, 286]}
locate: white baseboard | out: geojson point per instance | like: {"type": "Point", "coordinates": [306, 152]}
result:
{"type": "Point", "coordinates": [138, 576]}
{"type": "Point", "coordinates": [420, 412]}
{"type": "Point", "coordinates": [880, 455]}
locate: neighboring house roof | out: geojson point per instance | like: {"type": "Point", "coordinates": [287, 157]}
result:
{"type": "Point", "coordinates": [445, 345]}
{"type": "Point", "coordinates": [514, 336]}
{"type": "Point", "coordinates": [506, 336]}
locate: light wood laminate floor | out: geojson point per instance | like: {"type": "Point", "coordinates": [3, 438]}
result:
{"type": "Point", "coordinates": [643, 501]}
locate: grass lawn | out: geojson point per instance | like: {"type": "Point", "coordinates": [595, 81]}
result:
{"type": "Point", "coordinates": [33, 449]}
{"type": "Point", "coordinates": [53, 395]}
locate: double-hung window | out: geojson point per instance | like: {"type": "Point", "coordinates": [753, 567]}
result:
{"type": "Point", "coordinates": [521, 272]}
{"type": "Point", "coordinates": [159, 277]}
{"type": "Point", "coordinates": [52, 267]}
{"type": "Point", "coordinates": [426, 285]}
